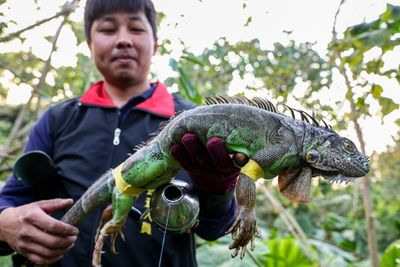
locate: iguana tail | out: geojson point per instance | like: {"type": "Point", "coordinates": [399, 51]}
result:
{"type": "Point", "coordinates": [96, 196]}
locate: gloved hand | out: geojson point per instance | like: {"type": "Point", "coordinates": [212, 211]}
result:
{"type": "Point", "coordinates": [210, 167]}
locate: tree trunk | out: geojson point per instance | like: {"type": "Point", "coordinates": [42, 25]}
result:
{"type": "Point", "coordinates": [372, 245]}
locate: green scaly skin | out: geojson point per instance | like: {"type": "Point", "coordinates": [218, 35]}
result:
{"type": "Point", "coordinates": [294, 150]}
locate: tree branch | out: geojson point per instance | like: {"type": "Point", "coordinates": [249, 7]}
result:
{"type": "Point", "coordinates": [65, 11]}
{"type": "Point", "coordinates": [22, 114]}
{"type": "Point", "coordinates": [7, 168]}
{"type": "Point", "coordinates": [364, 182]}
{"type": "Point", "coordinates": [4, 66]}
{"type": "Point", "coordinates": [334, 32]}
{"type": "Point", "coordinates": [291, 223]}
{"type": "Point", "coordinates": [372, 244]}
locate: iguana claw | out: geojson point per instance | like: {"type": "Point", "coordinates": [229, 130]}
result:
{"type": "Point", "coordinates": [110, 228]}
{"type": "Point", "coordinates": [243, 231]}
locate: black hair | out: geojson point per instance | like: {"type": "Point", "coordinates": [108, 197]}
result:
{"type": "Point", "coordinates": [95, 9]}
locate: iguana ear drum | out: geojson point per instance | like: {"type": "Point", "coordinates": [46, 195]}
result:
{"type": "Point", "coordinates": [312, 156]}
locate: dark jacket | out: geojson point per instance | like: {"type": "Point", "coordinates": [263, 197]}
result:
{"type": "Point", "coordinates": [87, 136]}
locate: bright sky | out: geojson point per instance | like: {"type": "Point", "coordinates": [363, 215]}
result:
{"type": "Point", "coordinates": [200, 22]}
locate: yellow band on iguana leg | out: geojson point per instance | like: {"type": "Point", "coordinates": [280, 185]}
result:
{"type": "Point", "coordinates": [122, 186]}
{"type": "Point", "coordinates": [253, 170]}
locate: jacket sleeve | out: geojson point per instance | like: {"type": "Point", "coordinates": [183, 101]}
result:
{"type": "Point", "coordinates": [217, 213]}
{"type": "Point", "coordinates": [14, 193]}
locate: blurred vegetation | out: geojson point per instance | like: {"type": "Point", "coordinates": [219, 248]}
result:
{"type": "Point", "coordinates": [331, 230]}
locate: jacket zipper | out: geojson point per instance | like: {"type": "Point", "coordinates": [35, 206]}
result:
{"type": "Point", "coordinates": [117, 133]}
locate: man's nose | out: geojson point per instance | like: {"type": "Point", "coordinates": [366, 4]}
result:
{"type": "Point", "coordinates": [123, 39]}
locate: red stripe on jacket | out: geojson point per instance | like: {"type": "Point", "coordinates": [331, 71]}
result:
{"type": "Point", "coordinates": [161, 101]}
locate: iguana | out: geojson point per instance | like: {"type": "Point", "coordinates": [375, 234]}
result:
{"type": "Point", "coordinates": [263, 142]}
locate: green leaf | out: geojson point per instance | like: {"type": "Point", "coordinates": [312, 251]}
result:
{"type": "Point", "coordinates": [173, 64]}
{"type": "Point", "coordinates": [187, 87]}
{"type": "Point", "coordinates": [387, 105]}
{"type": "Point", "coordinates": [78, 30]}
{"type": "Point", "coordinates": [5, 261]}
{"type": "Point", "coordinates": [218, 254]}
{"type": "Point", "coordinates": [362, 28]}
{"type": "Point", "coordinates": [391, 13]}
{"type": "Point", "coordinates": [3, 26]}
{"type": "Point", "coordinates": [374, 38]}
{"type": "Point", "coordinates": [398, 122]}
{"type": "Point", "coordinates": [332, 254]}
{"type": "Point", "coordinates": [361, 105]}
{"type": "Point", "coordinates": [249, 20]}
{"type": "Point", "coordinates": [391, 256]}
{"type": "Point", "coordinates": [192, 58]}
{"type": "Point", "coordinates": [374, 66]}
{"type": "Point", "coordinates": [285, 252]}
{"type": "Point", "coordinates": [354, 59]}
{"type": "Point", "coordinates": [49, 38]}
{"type": "Point", "coordinates": [376, 91]}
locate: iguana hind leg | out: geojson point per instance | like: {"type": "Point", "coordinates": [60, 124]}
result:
{"type": "Point", "coordinates": [148, 168]}
{"type": "Point", "coordinates": [244, 227]}
{"type": "Point", "coordinates": [121, 206]}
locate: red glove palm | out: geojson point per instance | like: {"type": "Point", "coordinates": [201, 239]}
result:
{"type": "Point", "coordinates": [210, 167]}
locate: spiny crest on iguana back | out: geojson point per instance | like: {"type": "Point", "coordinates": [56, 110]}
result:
{"type": "Point", "coordinates": [257, 102]}
{"type": "Point", "coordinates": [266, 105]}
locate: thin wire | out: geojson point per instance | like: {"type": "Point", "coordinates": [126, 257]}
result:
{"type": "Point", "coordinates": [165, 234]}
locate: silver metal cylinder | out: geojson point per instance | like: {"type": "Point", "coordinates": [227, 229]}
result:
{"type": "Point", "coordinates": [183, 205]}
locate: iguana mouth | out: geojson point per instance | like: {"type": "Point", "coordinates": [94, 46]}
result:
{"type": "Point", "coordinates": [334, 177]}
{"type": "Point", "coordinates": [339, 178]}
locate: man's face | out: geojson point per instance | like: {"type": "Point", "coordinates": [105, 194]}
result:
{"type": "Point", "coordinates": [122, 45]}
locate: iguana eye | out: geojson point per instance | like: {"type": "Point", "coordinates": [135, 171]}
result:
{"type": "Point", "coordinates": [348, 146]}
{"type": "Point", "coordinates": [312, 156]}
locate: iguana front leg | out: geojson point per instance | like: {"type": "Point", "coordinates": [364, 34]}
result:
{"type": "Point", "coordinates": [244, 228]}
{"type": "Point", "coordinates": [266, 163]}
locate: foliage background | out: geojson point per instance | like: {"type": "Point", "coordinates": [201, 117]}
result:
{"type": "Point", "coordinates": [342, 225]}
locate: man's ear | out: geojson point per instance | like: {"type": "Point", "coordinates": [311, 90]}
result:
{"type": "Point", "coordinates": [155, 46]}
{"type": "Point", "coordinates": [89, 43]}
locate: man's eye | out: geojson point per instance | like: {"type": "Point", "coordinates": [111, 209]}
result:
{"type": "Point", "coordinates": [137, 30]}
{"type": "Point", "coordinates": [107, 30]}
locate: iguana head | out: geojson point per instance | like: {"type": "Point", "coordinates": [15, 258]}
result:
{"type": "Point", "coordinates": [337, 158]}
{"type": "Point", "coordinates": [333, 157]}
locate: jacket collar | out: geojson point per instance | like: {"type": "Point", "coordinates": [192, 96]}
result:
{"type": "Point", "coordinates": [161, 102]}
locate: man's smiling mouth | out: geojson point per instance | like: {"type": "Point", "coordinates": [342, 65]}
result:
{"type": "Point", "coordinates": [123, 57]}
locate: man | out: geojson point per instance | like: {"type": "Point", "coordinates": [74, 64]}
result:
{"type": "Point", "coordinates": [88, 135]}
